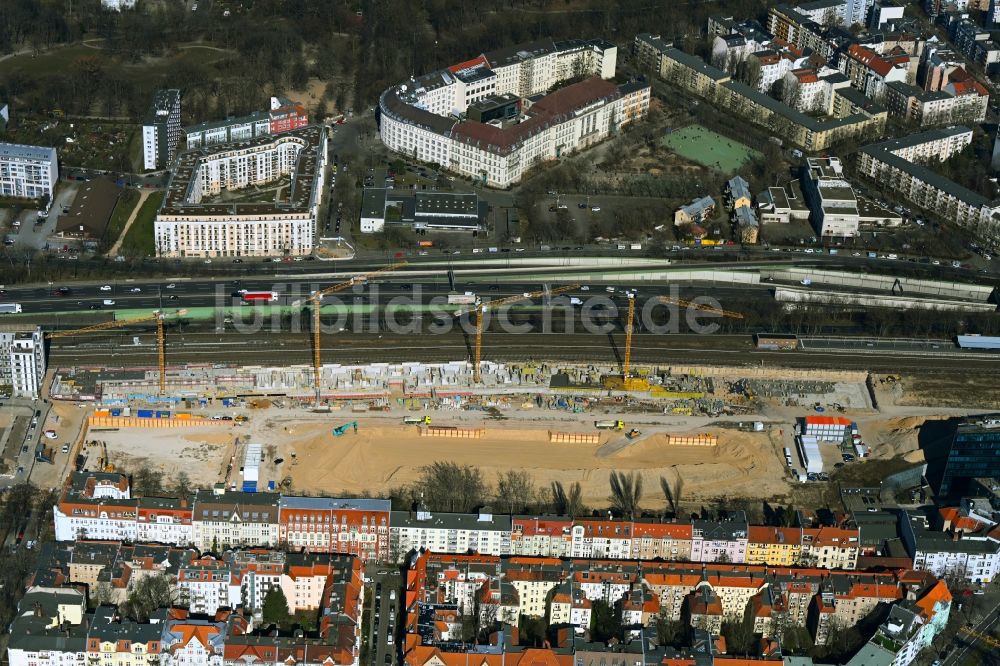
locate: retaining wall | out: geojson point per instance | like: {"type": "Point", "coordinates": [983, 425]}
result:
{"type": "Point", "coordinates": [136, 422]}
{"type": "Point", "coordinates": [703, 439]}
{"type": "Point", "coordinates": [557, 437]}
{"type": "Point", "coordinates": [447, 431]}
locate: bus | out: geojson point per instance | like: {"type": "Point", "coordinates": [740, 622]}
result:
{"type": "Point", "coordinates": [259, 296]}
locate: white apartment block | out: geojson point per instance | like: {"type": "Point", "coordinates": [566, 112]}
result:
{"type": "Point", "coordinates": [483, 533]}
{"type": "Point", "coordinates": [117, 5]}
{"type": "Point", "coordinates": [111, 520]}
{"type": "Point", "coordinates": [899, 164]}
{"type": "Point", "coordinates": [28, 172]}
{"type": "Point", "coordinates": [204, 586]}
{"type": "Point", "coordinates": [601, 540]}
{"type": "Point", "coordinates": [188, 225]}
{"type": "Point", "coordinates": [161, 130]}
{"type": "Point", "coordinates": [421, 118]}
{"type": "Point", "coordinates": [831, 199]}
{"type": "Point", "coordinates": [971, 557]}
{"type": "Point", "coordinates": [226, 131]}
{"type": "Point", "coordinates": [22, 362]}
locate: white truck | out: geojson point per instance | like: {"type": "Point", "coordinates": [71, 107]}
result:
{"type": "Point", "coordinates": [10, 308]}
{"type": "Point", "coordinates": [468, 298]}
{"type": "Point", "coordinates": [609, 425]}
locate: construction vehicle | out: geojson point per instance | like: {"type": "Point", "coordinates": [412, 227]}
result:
{"type": "Point", "coordinates": [609, 425]}
{"type": "Point", "coordinates": [104, 463]}
{"type": "Point", "coordinates": [156, 316]}
{"type": "Point", "coordinates": [342, 430]}
{"type": "Point", "coordinates": [481, 307]}
{"type": "Point", "coordinates": [417, 420]}
{"type": "Point", "coordinates": [633, 433]}
{"type": "Point", "coordinates": [627, 382]}
{"type": "Point", "coordinates": [315, 299]}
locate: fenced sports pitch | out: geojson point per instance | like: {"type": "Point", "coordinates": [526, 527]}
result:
{"type": "Point", "coordinates": [701, 145]}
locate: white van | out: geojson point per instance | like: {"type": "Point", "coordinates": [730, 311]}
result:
{"type": "Point", "coordinates": [108, 301]}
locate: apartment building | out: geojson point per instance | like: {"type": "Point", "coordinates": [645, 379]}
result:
{"type": "Point", "coordinates": [974, 557]}
{"type": "Point", "coordinates": [852, 116]}
{"type": "Point", "coordinates": [899, 164]}
{"type": "Point", "coordinates": [956, 103]}
{"type": "Point", "coordinates": [423, 118]}
{"type": "Point", "coordinates": [161, 130]}
{"type": "Point", "coordinates": [723, 540]}
{"type": "Point", "coordinates": [22, 361]}
{"type": "Point", "coordinates": [224, 519]}
{"type": "Point", "coordinates": [96, 505]}
{"type": "Point", "coordinates": [49, 627]}
{"type": "Point", "coordinates": [207, 584]}
{"type": "Point", "coordinates": [831, 547]}
{"type": "Point", "coordinates": [870, 71]}
{"type": "Point", "coordinates": [774, 546]}
{"type": "Point", "coordinates": [165, 520]}
{"type": "Point", "coordinates": [284, 115]}
{"type": "Point", "coordinates": [602, 539]}
{"type": "Point", "coordinates": [448, 533]}
{"type": "Point", "coordinates": [28, 172]}
{"type": "Point", "coordinates": [541, 537]}
{"type": "Point", "coordinates": [187, 641]}
{"type": "Point", "coordinates": [358, 527]}
{"type": "Point", "coordinates": [190, 224]}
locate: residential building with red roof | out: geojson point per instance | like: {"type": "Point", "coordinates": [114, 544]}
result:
{"type": "Point", "coordinates": [541, 537]}
{"type": "Point", "coordinates": [870, 71]}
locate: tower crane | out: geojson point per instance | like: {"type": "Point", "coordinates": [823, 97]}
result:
{"type": "Point", "coordinates": [626, 381]}
{"type": "Point", "coordinates": [156, 316]}
{"type": "Point", "coordinates": [316, 297]}
{"type": "Point", "coordinates": [480, 307]}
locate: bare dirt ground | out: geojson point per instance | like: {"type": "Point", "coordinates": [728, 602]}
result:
{"type": "Point", "coordinates": [201, 452]}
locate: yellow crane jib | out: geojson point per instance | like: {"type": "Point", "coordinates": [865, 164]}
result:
{"type": "Point", "coordinates": [481, 306]}
{"type": "Point", "coordinates": [316, 297]}
{"type": "Point", "coordinates": [156, 316]}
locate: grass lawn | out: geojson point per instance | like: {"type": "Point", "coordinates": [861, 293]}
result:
{"type": "Point", "coordinates": [119, 216]}
{"type": "Point", "coordinates": [139, 240]}
{"type": "Point", "coordinates": [709, 149]}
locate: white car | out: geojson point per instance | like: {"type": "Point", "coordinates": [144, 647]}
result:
{"type": "Point", "coordinates": [135, 290]}
{"type": "Point", "coordinates": [50, 434]}
{"type": "Point", "coordinates": [171, 285]}
{"type": "Point", "coordinates": [584, 288]}
{"type": "Point", "coordinates": [106, 287]}
{"type": "Point", "coordinates": [595, 209]}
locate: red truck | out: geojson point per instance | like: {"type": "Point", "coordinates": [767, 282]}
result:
{"type": "Point", "coordinates": [259, 296]}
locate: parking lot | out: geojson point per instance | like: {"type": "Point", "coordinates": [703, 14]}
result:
{"type": "Point", "coordinates": [27, 230]}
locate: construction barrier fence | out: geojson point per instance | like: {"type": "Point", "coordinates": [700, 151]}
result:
{"type": "Point", "coordinates": [556, 437]}
{"type": "Point", "coordinates": [136, 422]}
{"type": "Point", "coordinates": [703, 439]}
{"type": "Point", "coordinates": [450, 431]}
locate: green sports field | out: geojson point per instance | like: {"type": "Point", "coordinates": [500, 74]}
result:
{"type": "Point", "coordinates": [709, 149]}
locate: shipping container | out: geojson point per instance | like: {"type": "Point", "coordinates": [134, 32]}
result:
{"type": "Point", "coordinates": [162, 414]}
{"type": "Point", "coordinates": [270, 485]}
{"type": "Point", "coordinates": [468, 298]}
{"type": "Point", "coordinates": [425, 243]}
{"type": "Point", "coordinates": [182, 415]}
{"type": "Point", "coordinates": [102, 412]}
{"type": "Point", "coordinates": [260, 297]}
{"type": "Point", "coordinates": [145, 413]}
{"type": "Point", "coordinates": [249, 486]}
{"type": "Point", "coordinates": [116, 412]}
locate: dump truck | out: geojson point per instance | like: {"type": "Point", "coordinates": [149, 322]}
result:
{"type": "Point", "coordinates": [609, 425]}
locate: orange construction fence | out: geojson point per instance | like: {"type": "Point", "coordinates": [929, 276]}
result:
{"type": "Point", "coordinates": [703, 439]}
{"type": "Point", "coordinates": [136, 422]}
{"type": "Point", "coordinates": [557, 437]}
{"type": "Point", "coordinates": [451, 431]}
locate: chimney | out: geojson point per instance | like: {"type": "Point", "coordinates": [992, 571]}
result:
{"type": "Point", "coordinates": [38, 609]}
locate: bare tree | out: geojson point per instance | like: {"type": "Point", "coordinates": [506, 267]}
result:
{"type": "Point", "coordinates": [626, 492]}
{"type": "Point", "coordinates": [567, 503]}
{"type": "Point", "coordinates": [515, 491]}
{"type": "Point", "coordinates": [672, 492]}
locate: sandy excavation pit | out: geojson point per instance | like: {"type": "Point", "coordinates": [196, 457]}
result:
{"type": "Point", "coordinates": [382, 455]}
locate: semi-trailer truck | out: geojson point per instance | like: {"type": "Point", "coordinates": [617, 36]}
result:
{"type": "Point", "coordinates": [468, 298]}
{"type": "Point", "coordinates": [10, 308]}
{"type": "Point", "coordinates": [609, 425]}
{"type": "Point", "coordinates": [259, 296]}
{"type": "Point", "coordinates": [414, 420]}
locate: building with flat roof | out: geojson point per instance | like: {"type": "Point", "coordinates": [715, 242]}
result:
{"type": "Point", "coordinates": [832, 202]}
{"type": "Point", "coordinates": [440, 211]}
{"type": "Point", "coordinates": [188, 224]}
{"type": "Point", "coordinates": [22, 361]}
{"type": "Point", "coordinates": [283, 115]}
{"type": "Point", "coordinates": [28, 172]}
{"type": "Point", "coordinates": [974, 453]}
{"type": "Point", "coordinates": [161, 130]}
{"type": "Point", "coordinates": [88, 217]}
{"type": "Point", "coordinates": [899, 164]}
